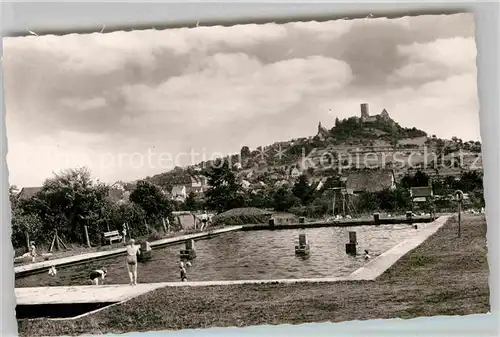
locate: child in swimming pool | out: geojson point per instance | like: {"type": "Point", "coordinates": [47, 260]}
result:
{"type": "Point", "coordinates": [183, 272]}
{"type": "Point", "coordinates": [52, 271]}
{"type": "Point", "coordinates": [95, 275]}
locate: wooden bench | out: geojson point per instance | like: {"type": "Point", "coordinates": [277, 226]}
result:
{"type": "Point", "coordinates": [112, 236]}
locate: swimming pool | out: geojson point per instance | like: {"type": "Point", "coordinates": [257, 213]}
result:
{"type": "Point", "coordinates": [244, 255]}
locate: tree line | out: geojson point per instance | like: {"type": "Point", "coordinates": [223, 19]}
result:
{"type": "Point", "coordinates": [71, 200]}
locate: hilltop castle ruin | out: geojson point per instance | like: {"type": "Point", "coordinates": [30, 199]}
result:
{"type": "Point", "coordinates": [365, 114]}
{"type": "Point", "coordinates": [365, 117]}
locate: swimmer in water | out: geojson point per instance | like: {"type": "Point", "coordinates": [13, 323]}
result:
{"type": "Point", "coordinates": [183, 272]}
{"type": "Point", "coordinates": [367, 256]}
{"type": "Point", "coordinates": [132, 251]}
{"type": "Point", "coordinates": [52, 271]}
{"type": "Point", "coordinates": [95, 275]}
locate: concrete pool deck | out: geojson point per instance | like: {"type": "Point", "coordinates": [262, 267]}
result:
{"type": "Point", "coordinates": [38, 266]}
{"type": "Point", "coordinates": [384, 261]}
{"type": "Point", "coordinates": [120, 293]}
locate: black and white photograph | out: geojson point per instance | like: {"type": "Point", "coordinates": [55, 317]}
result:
{"type": "Point", "coordinates": [245, 174]}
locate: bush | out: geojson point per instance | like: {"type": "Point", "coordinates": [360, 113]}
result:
{"type": "Point", "coordinates": [241, 216]}
{"type": "Point", "coordinates": [154, 236]}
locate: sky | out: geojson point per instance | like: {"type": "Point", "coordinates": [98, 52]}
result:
{"type": "Point", "coordinates": [133, 104]}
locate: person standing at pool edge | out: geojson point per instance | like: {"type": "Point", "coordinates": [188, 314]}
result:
{"type": "Point", "coordinates": [204, 220]}
{"type": "Point", "coordinates": [132, 251]}
{"type": "Point", "coordinates": [33, 252]}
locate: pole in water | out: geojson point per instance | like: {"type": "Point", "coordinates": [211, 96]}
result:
{"type": "Point", "coordinates": [333, 203]}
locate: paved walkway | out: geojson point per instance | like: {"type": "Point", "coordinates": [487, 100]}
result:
{"type": "Point", "coordinates": [384, 261]}
{"type": "Point", "coordinates": [122, 292]}
{"type": "Point", "coordinates": [118, 293]}
{"type": "Point", "coordinates": [89, 256]}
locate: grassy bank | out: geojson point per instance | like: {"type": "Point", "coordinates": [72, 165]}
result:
{"type": "Point", "coordinates": [446, 275]}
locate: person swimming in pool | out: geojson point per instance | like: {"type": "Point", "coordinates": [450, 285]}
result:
{"type": "Point", "coordinates": [53, 271]}
{"type": "Point", "coordinates": [97, 274]}
{"type": "Point", "coordinates": [132, 251]}
{"type": "Point", "coordinates": [183, 271]}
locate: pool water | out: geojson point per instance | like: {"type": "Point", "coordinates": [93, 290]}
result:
{"type": "Point", "coordinates": [244, 256]}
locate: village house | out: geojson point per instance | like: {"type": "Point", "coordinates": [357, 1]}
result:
{"type": "Point", "coordinates": [295, 173]}
{"type": "Point", "coordinates": [179, 193]}
{"type": "Point", "coordinates": [421, 193]}
{"type": "Point", "coordinates": [198, 181]}
{"type": "Point", "coordinates": [197, 185]}
{"type": "Point", "coordinates": [28, 192]}
{"type": "Point", "coordinates": [116, 192]}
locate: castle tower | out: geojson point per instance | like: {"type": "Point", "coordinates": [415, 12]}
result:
{"type": "Point", "coordinates": [319, 127]}
{"type": "Point", "coordinates": [365, 113]}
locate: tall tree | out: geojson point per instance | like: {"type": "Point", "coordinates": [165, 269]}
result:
{"type": "Point", "coordinates": [67, 202]}
{"type": "Point", "coordinates": [29, 224]}
{"type": "Point", "coordinates": [284, 199]}
{"type": "Point", "coordinates": [152, 200]}
{"type": "Point", "coordinates": [224, 192]}
{"type": "Point", "coordinates": [420, 178]}
{"type": "Point", "coordinates": [191, 203]}
{"type": "Point", "coordinates": [245, 152]}
{"type": "Point", "coordinates": [13, 191]}
{"type": "Point", "coordinates": [302, 190]}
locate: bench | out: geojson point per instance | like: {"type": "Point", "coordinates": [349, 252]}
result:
{"type": "Point", "coordinates": [112, 236]}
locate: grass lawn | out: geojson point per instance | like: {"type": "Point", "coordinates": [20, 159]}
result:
{"type": "Point", "coordinates": [446, 275]}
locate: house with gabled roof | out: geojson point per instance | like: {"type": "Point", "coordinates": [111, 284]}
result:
{"type": "Point", "coordinates": [295, 173]}
{"type": "Point", "coordinates": [179, 192]}
{"type": "Point", "coordinates": [28, 192]}
{"type": "Point", "coordinates": [116, 192]}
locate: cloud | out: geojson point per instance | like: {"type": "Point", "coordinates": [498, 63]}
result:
{"type": "Point", "coordinates": [218, 88]}
{"type": "Point", "coordinates": [436, 60]}
{"type": "Point", "coordinates": [83, 104]}
{"type": "Point", "coordinates": [234, 86]}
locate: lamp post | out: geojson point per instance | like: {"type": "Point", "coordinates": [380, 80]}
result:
{"type": "Point", "coordinates": [343, 186]}
{"type": "Point", "coordinates": [459, 195]}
